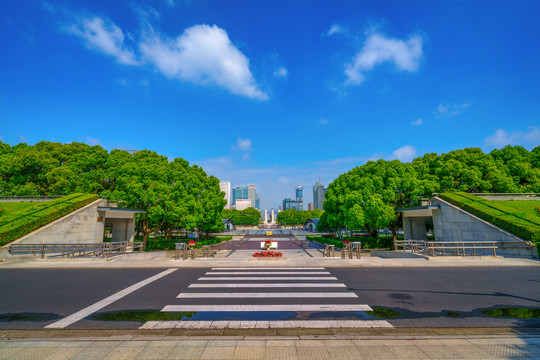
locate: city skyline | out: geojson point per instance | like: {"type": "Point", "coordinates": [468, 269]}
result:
{"type": "Point", "coordinates": [273, 93]}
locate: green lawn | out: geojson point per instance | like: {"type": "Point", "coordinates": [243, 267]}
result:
{"type": "Point", "coordinates": [11, 207]}
{"type": "Point", "coordinates": [527, 207]}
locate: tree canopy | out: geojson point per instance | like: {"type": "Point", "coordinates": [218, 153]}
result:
{"type": "Point", "coordinates": [249, 216]}
{"type": "Point", "coordinates": [175, 195]}
{"type": "Point", "coordinates": [295, 217]}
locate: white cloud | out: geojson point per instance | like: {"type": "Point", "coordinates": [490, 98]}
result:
{"type": "Point", "coordinates": [501, 138]}
{"type": "Point", "coordinates": [245, 156]}
{"type": "Point", "coordinates": [378, 49]}
{"type": "Point", "coordinates": [281, 72]}
{"type": "Point", "coordinates": [243, 145]}
{"type": "Point", "coordinates": [335, 29]}
{"type": "Point", "coordinates": [104, 36]}
{"type": "Point", "coordinates": [450, 109]}
{"type": "Point", "coordinates": [92, 141]}
{"type": "Point", "coordinates": [202, 55]}
{"type": "Point", "coordinates": [22, 139]}
{"type": "Point", "coordinates": [405, 153]}
{"type": "Point", "coordinates": [169, 2]}
{"type": "Point", "coordinates": [323, 121]}
{"type": "Point", "coordinates": [417, 122]}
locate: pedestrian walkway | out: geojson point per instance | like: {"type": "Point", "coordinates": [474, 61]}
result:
{"type": "Point", "coordinates": [263, 298]}
{"type": "Point", "coordinates": [273, 348]}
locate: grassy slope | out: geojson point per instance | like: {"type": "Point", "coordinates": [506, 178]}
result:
{"type": "Point", "coordinates": [519, 217]}
{"type": "Point", "coordinates": [19, 223]}
{"type": "Point", "coordinates": [10, 207]}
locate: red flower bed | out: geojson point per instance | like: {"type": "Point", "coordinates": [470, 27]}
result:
{"type": "Point", "coordinates": [267, 254]}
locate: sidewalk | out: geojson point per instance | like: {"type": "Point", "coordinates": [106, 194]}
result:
{"type": "Point", "coordinates": [243, 258]}
{"type": "Point", "coordinates": [310, 347]}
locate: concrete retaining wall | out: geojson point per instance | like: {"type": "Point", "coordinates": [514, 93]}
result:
{"type": "Point", "coordinates": [452, 223]}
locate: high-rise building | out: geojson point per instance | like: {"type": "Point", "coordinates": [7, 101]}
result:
{"type": "Point", "coordinates": [318, 195]}
{"type": "Point", "coordinates": [246, 192]}
{"type": "Point", "coordinates": [242, 204]}
{"type": "Point", "coordinates": [310, 206]}
{"type": "Point", "coordinates": [289, 203]}
{"type": "Point", "coordinates": [257, 202]}
{"type": "Point", "coordinates": [226, 187]}
{"type": "Point", "coordinates": [300, 193]}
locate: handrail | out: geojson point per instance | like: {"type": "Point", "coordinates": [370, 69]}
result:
{"type": "Point", "coordinates": [329, 251]}
{"type": "Point", "coordinates": [442, 248]}
{"type": "Point", "coordinates": [103, 250]}
{"type": "Point", "coordinates": [181, 248]}
{"type": "Point", "coordinates": [351, 249]}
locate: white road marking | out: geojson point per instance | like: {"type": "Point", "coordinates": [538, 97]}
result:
{"type": "Point", "coordinates": [268, 273]}
{"type": "Point", "coordinates": [68, 320]}
{"type": "Point", "coordinates": [269, 268]}
{"type": "Point", "coordinates": [269, 285]}
{"type": "Point", "coordinates": [267, 278]}
{"type": "Point", "coordinates": [293, 307]}
{"type": "Point", "coordinates": [269, 295]}
{"type": "Point", "coordinates": [205, 324]}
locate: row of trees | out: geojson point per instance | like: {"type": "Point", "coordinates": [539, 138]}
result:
{"type": "Point", "coordinates": [366, 197]}
{"type": "Point", "coordinates": [294, 217]}
{"type": "Point", "coordinates": [249, 216]}
{"type": "Point", "coordinates": [175, 194]}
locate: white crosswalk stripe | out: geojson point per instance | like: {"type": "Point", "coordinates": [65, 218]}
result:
{"type": "Point", "coordinates": [333, 295]}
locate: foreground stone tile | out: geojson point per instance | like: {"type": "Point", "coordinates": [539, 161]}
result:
{"type": "Point", "coordinates": [344, 352]}
{"type": "Point", "coordinates": [218, 353]}
{"type": "Point", "coordinates": [312, 353]}
{"type": "Point", "coordinates": [186, 353]}
{"type": "Point", "coordinates": [64, 353]}
{"type": "Point", "coordinates": [249, 353]}
{"type": "Point", "coordinates": [123, 353]}
{"type": "Point", "coordinates": [281, 353]}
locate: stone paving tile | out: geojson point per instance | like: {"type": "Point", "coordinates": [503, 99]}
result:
{"type": "Point", "coordinates": [407, 352]}
{"type": "Point", "coordinates": [222, 343]}
{"type": "Point", "coordinates": [249, 353]}
{"type": "Point", "coordinates": [367, 343]}
{"type": "Point", "coordinates": [186, 353]}
{"type": "Point", "coordinates": [280, 343]}
{"type": "Point", "coordinates": [9, 353]}
{"type": "Point", "coordinates": [251, 343]}
{"type": "Point", "coordinates": [312, 353]}
{"type": "Point", "coordinates": [471, 352]}
{"type": "Point", "coordinates": [344, 352]}
{"type": "Point", "coordinates": [65, 353]}
{"type": "Point", "coordinates": [155, 352]}
{"type": "Point", "coordinates": [168, 343]}
{"type": "Point", "coordinates": [338, 343]}
{"type": "Point", "coordinates": [439, 352]}
{"type": "Point", "coordinates": [201, 343]}
{"type": "Point", "coordinates": [124, 353]}
{"type": "Point", "coordinates": [136, 343]}
{"type": "Point", "coordinates": [217, 353]}
{"type": "Point", "coordinates": [93, 353]}
{"type": "Point", "coordinates": [34, 353]}
{"type": "Point", "coordinates": [281, 353]}
{"type": "Point", "coordinates": [308, 343]}
{"type": "Point", "coordinates": [376, 352]}
{"type": "Point", "coordinates": [512, 351]}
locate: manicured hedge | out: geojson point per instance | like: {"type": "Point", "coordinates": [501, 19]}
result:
{"type": "Point", "coordinates": [25, 221]}
{"type": "Point", "coordinates": [511, 221]}
{"type": "Point", "coordinates": [381, 242]}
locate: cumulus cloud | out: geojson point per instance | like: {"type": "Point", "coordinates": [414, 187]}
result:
{"type": "Point", "coordinates": [280, 72]}
{"type": "Point", "coordinates": [405, 153]}
{"type": "Point", "coordinates": [103, 35]}
{"type": "Point", "coordinates": [417, 122]}
{"type": "Point", "coordinates": [501, 138]}
{"type": "Point", "coordinates": [450, 109]}
{"type": "Point", "coordinates": [377, 49]}
{"type": "Point", "coordinates": [323, 121]}
{"type": "Point", "coordinates": [243, 145]}
{"type": "Point", "coordinates": [202, 55]}
{"type": "Point", "coordinates": [335, 29]}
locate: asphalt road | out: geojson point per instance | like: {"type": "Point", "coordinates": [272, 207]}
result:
{"type": "Point", "coordinates": [423, 296]}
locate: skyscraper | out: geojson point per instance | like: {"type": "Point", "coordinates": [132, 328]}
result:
{"type": "Point", "coordinates": [226, 187]}
{"type": "Point", "coordinates": [246, 192]}
{"type": "Point", "coordinates": [318, 195]}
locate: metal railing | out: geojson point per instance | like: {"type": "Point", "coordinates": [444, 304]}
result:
{"type": "Point", "coordinates": [103, 250]}
{"type": "Point", "coordinates": [443, 248]}
{"type": "Point", "coordinates": [329, 251]}
{"type": "Point", "coordinates": [351, 249]}
{"type": "Point", "coordinates": [183, 249]}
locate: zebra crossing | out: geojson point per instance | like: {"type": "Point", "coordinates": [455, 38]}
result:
{"type": "Point", "coordinates": [270, 297]}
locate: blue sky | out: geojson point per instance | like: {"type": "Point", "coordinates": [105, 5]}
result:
{"type": "Point", "coordinates": [273, 93]}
